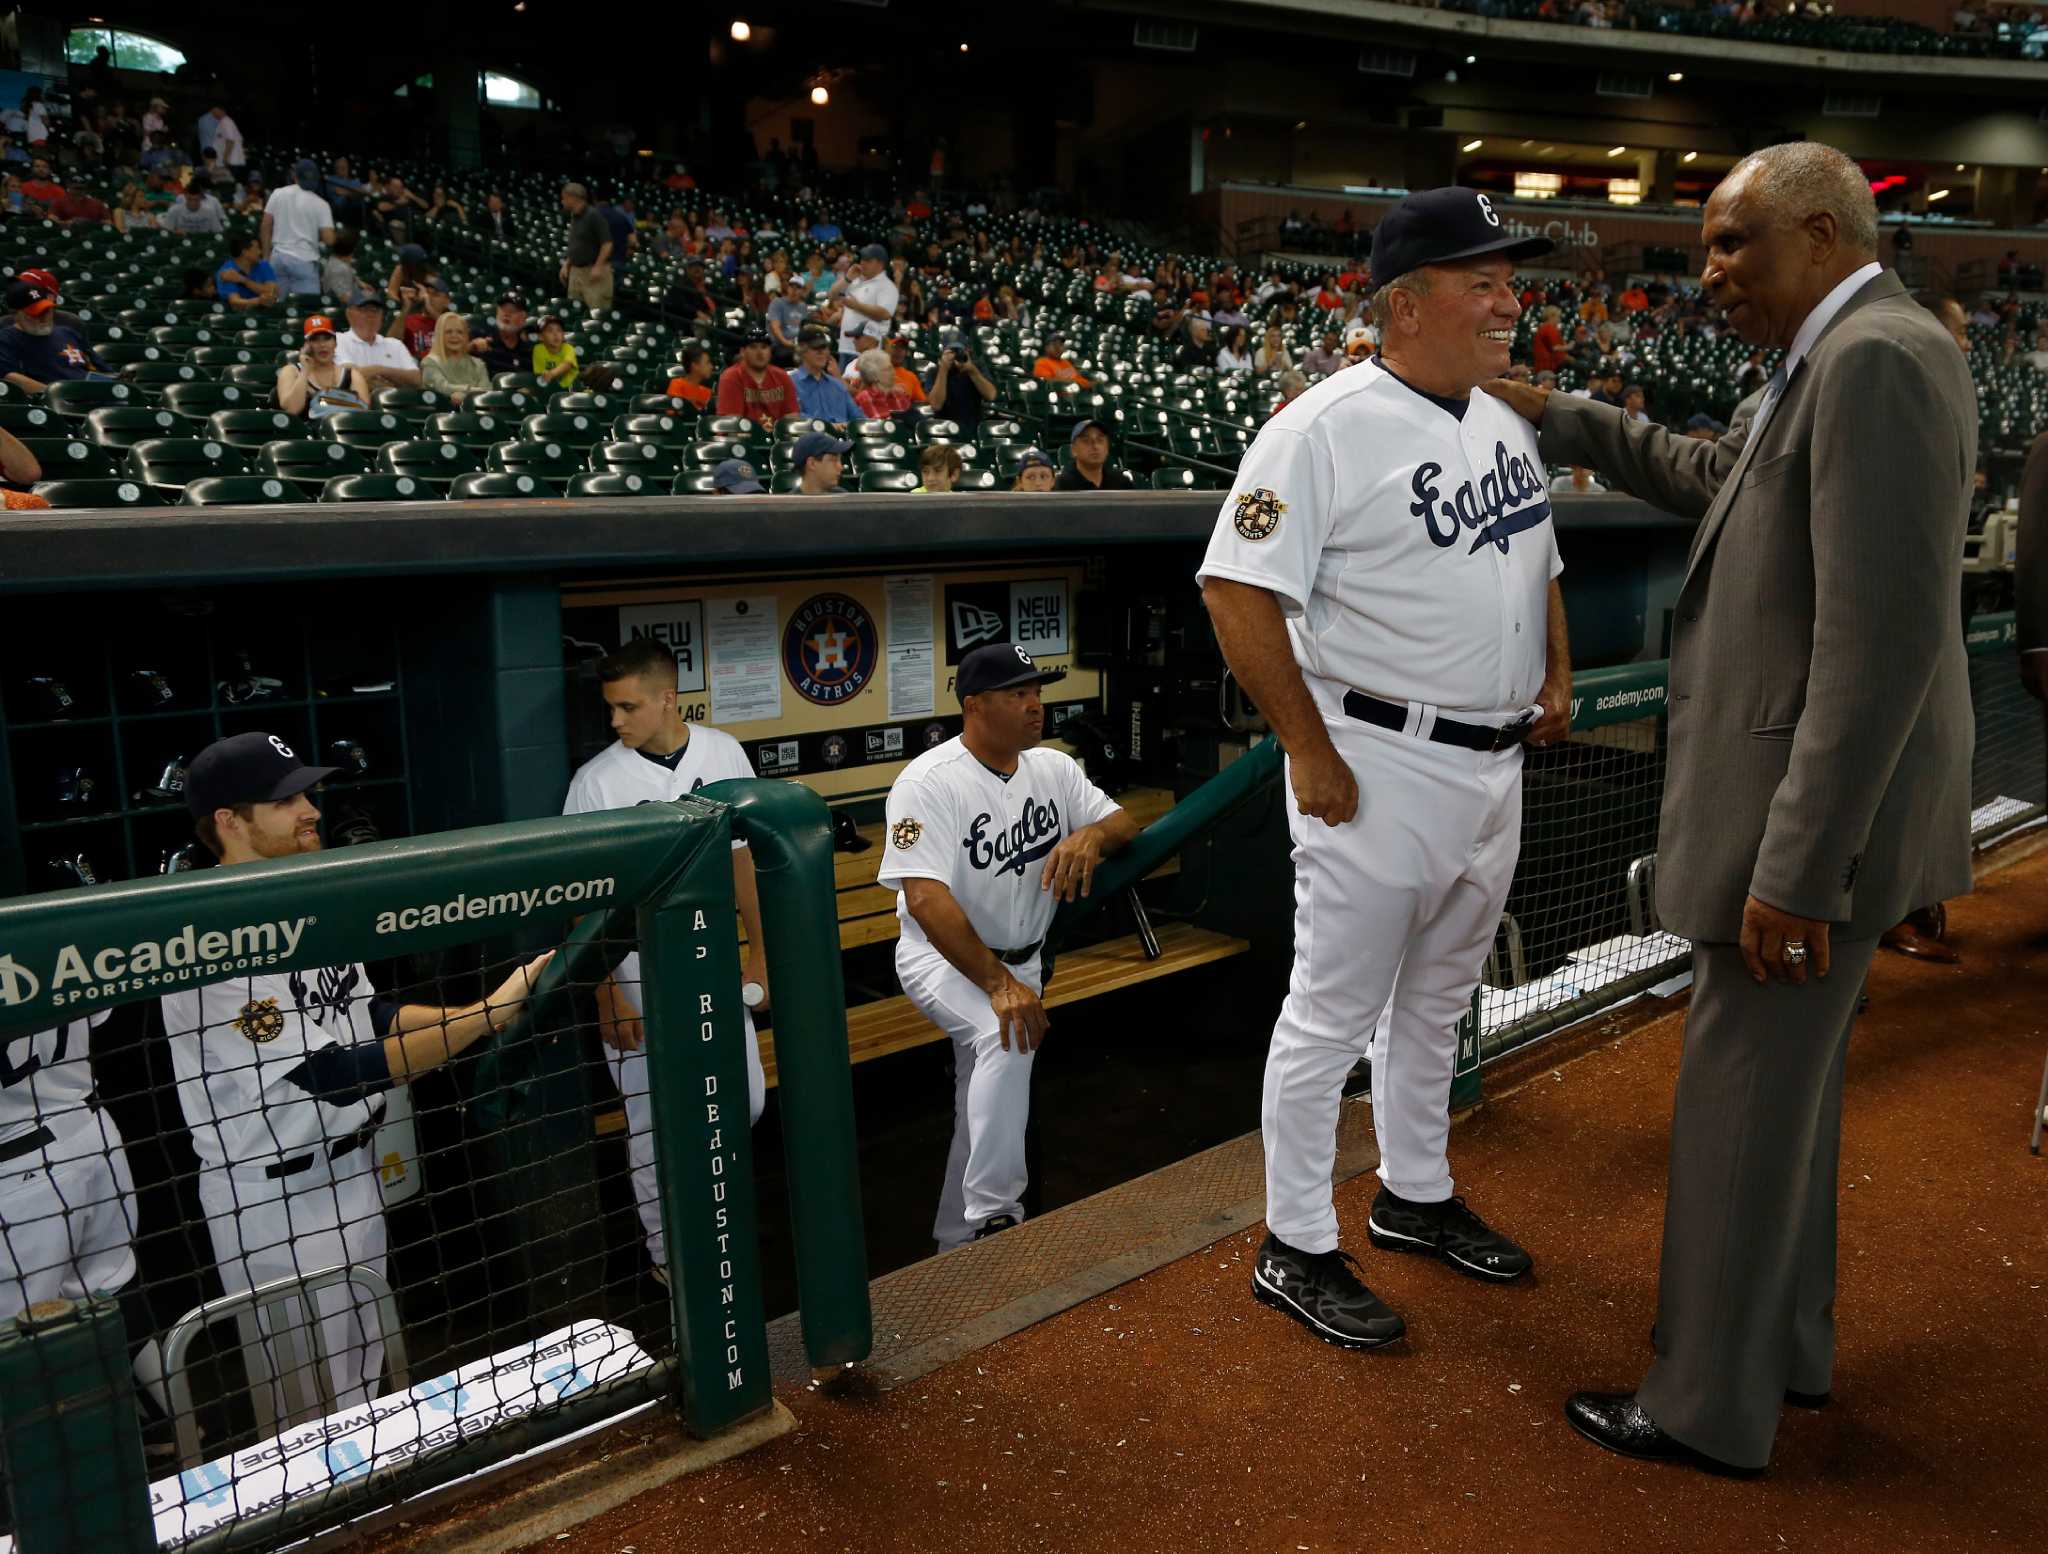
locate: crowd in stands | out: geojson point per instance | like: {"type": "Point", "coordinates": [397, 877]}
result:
{"type": "Point", "coordinates": [1989, 30]}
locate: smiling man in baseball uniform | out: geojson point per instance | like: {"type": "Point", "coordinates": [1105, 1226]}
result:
{"type": "Point", "coordinates": [1381, 579]}
{"type": "Point", "coordinates": [658, 757]}
{"type": "Point", "coordinates": [987, 835]}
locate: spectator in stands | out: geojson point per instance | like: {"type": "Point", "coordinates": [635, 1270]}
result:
{"type": "Point", "coordinates": [1546, 347]}
{"type": "Point", "coordinates": [1035, 471]}
{"type": "Point", "coordinates": [246, 280]}
{"type": "Point", "coordinates": [816, 279]}
{"type": "Point", "coordinates": [1360, 342]}
{"type": "Point", "coordinates": [586, 265]}
{"type": "Point", "coordinates": [1089, 469]}
{"type": "Point", "coordinates": [77, 208]}
{"type": "Point", "coordinates": [624, 230]}
{"type": "Point", "coordinates": [1578, 479]}
{"type": "Point", "coordinates": [297, 224]}
{"type": "Point", "coordinates": [157, 155]}
{"type": "Point", "coordinates": [420, 311]}
{"type": "Point", "coordinates": [509, 347]}
{"type": "Point", "coordinates": [756, 388]}
{"type": "Point", "coordinates": [735, 477]}
{"type": "Point", "coordinates": [1292, 384]}
{"type": "Point", "coordinates": [1635, 404]}
{"type": "Point", "coordinates": [877, 392]}
{"type": "Point", "coordinates": [449, 366]}
{"type": "Point", "coordinates": [379, 361]}
{"type": "Point", "coordinates": [959, 390]}
{"type": "Point", "coordinates": [396, 208]}
{"type": "Point", "coordinates": [1593, 311]}
{"type": "Point", "coordinates": [224, 139]}
{"type": "Point", "coordinates": [939, 466]}
{"type": "Point", "coordinates": [211, 173]}
{"type": "Point", "coordinates": [39, 186]}
{"type": "Point", "coordinates": [314, 384]}
{"type": "Point", "coordinates": [1236, 355]}
{"type": "Point", "coordinates": [442, 210]}
{"type": "Point", "coordinates": [674, 242]}
{"type": "Point", "coordinates": [1633, 299]}
{"type": "Point", "coordinates": [1752, 374]}
{"type": "Point", "coordinates": [554, 358]}
{"type": "Point", "coordinates": [820, 392]}
{"type": "Point", "coordinates": [1705, 428]}
{"type": "Point", "coordinates": [694, 385]}
{"type": "Point", "coordinates": [717, 229]}
{"type": "Point", "coordinates": [36, 350]}
{"type": "Point", "coordinates": [1272, 356]}
{"type": "Point", "coordinates": [493, 220]}
{"type": "Point", "coordinates": [1327, 357]}
{"type": "Point", "coordinates": [868, 298]}
{"type": "Point", "coordinates": [153, 117]}
{"type": "Point", "coordinates": [818, 459]}
{"type": "Point", "coordinates": [133, 214]}
{"type": "Point", "coordinates": [196, 285]}
{"type": "Point", "coordinates": [338, 274]}
{"type": "Point", "coordinates": [689, 298]}
{"type": "Point", "coordinates": [409, 275]}
{"type": "Point", "coordinates": [1053, 366]}
{"type": "Point", "coordinates": [1985, 314]}
{"type": "Point", "coordinates": [1197, 347]}
{"type": "Point", "coordinates": [347, 195]}
{"type": "Point", "coordinates": [250, 196]}
{"type": "Point", "coordinates": [786, 316]}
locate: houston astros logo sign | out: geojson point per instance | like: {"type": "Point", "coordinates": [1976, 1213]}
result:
{"type": "Point", "coordinates": [830, 649]}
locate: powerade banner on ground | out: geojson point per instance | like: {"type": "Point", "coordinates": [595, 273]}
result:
{"type": "Point", "coordinates": [389, 1431]}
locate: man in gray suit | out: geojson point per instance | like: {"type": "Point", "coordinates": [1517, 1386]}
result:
{"type": "Point", "coordinates": [1817, 784]}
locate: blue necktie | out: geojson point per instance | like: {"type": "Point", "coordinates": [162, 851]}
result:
{"type": "Point", "coordinates": [1773, 391]}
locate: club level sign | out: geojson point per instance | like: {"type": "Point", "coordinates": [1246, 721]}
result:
{"type": "Point", "coordinates": [829, 649]}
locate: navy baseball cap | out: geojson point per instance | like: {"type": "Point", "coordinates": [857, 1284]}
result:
{"type": "Point", "coordinates": [364, 297]}
{"type": "Point", "coordinates": [812, 444]}
{"type": "Point", "coordinates": [1031, 456]}
{"type": "Point", "coordinates": [248, 768]}
{"type": "Point", "coordinates": [1000, 666]}
{"type": "Point", "coordinates": [1087, 423]}
{"type": "Point", "coordinates": [874, 251]}
{"type": "Point", "coordinates": [1436, 226]}
{"type": "Point", "coordinates": [736, 477]}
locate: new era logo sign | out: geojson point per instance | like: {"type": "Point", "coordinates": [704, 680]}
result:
{"type": "Point", "coordinates": [972, 625]}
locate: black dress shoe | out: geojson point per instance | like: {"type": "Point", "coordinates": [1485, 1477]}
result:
{"type": "Point", "coordinates": [1617, 1421]}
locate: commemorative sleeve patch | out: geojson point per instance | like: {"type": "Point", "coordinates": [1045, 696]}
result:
{"type": "Point", "coordinates": [1258, 513]}
{"type": "Point", "coordinates": [260, 1021]}
{"type": "Point", "coordinates": [905, 834]}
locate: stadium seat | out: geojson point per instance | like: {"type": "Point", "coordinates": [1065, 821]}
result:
{"type": "Point", "coordinates": [258, 377]}
{"type": "Point", "coordinates": [520, 383]}
{"type": "Point", "coordinates": [81, 396]}
{"type": "Point", "coordinates": [543, 460]}
{"type": "Point", "coordinates": [217, 356]}
{"type": "Point", "coordinates": [617, 483]}
{"type": "Point", "coordinates": [238, 491]}
{"type": "Point", "coordinates": [1180, 478]}
{"type": "Point", "coordinates": [97, 493]}
{"type": "Point", "coordinates": [254, 428]}
{"type": "Point", "coordinates": [125, 353]}
{"type": "Point", "coordinates": [694, 482]}
{"type": "Point", "coordinates": [26, 420]}
{"type": "Point", "coordinates": [791, 427]}
{"type": "Point", "coordinates": [63, 458]}
{"type": "Point", "coordinates": [309, 461]}
{"type": "Point", "coordinates": [378, 488]}
{"type": "Point", "coordinates": [575, 431]}
{"type": "Point", "coordinates": [363, 428]}
{"type": "Point", "coordinates": [601, 406]}
{"type": "Point", "coordinates": [437, 461]}
{"type": "Point", "coordinates": [637, 458]}
{"type": "Point", "coordinates": [152, 378]}
{"type": "Point", "coordinates": [469, 429]}
{"type": "Point", "coordinates": [122, 426]}
{"type": "Point", "coordinates": [197, 401]}
{"type": "Point", "coordinates": [174, 462]}
{"type": "Point", "coordinates": [501, 402]}
{"type": "Point", "coordinates": [411, 405]}
{"type": "Point", "coordinates": [890, 480]}
{"type": "Point", "coordinates": [729, 428]}
{"type": "Point", "coordinates": [500, 483]}
{"type": "Point", "coordinates": [663, 429]}
{"type": "Point", "coordinates": [977, 480]}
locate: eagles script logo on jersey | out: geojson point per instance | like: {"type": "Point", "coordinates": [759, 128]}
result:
{"type": "Point", "coordinates": [260, 1021]}
{"type": "Point", "coordinates": [1258, 513]}
{"type": "Point", "coordinates": [905, 833]}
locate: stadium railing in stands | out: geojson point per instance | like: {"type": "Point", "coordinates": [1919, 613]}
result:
{"type": "Point", "coordinates": [529, 1341]}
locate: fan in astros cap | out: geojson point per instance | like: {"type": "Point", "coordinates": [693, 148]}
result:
{"type": "Point", "coordinates": [987, 835]}
{"type": "Point", "coordinates": [282, 1073]}
{"type": "Point", "coordinates": [1381, 582]}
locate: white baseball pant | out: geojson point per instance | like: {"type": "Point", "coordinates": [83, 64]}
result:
{"type": "Point", "coordinates": [331, 1213]}
{"type": "Point", "coordinates": [1394, 913]}
{"type": "Point", "coordinates": [67, 1230]}
{"type": "Point", "coordinates": [629, 1073]}
{"type": "Point", "coordinates": [985, 1174]}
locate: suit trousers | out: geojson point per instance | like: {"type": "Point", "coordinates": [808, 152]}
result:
{"type": "Point", "coordinates": [1746, 1292]}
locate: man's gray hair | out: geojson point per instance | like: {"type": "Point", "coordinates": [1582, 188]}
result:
{"type": "Point", "coordinates": [1803, 178]}
{"type": "Point", "coordinates": [1383, 299]}
{"type": "Point", "coordinates": [1292, 382]}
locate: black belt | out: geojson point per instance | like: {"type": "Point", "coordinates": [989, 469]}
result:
{"type": "Point", "coordinates": [1017, 957]}
{"type": "Point", "coordinates": [27, 1144]}
{"type": "Point", "coordinates": [1448, 731]}
{"type": "Point", "coordinates": [336, 1148]}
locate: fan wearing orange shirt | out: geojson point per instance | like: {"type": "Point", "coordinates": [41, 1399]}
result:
{"type": "Point", "coordinates": [1635, 299]}
{"type": "Point", "coordinates": [1052, 363]}
{"type": "Point", "coordinates": [694, 386]}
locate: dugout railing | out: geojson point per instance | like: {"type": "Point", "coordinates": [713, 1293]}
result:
{"type": "Point", "coordinates": [658, 877]}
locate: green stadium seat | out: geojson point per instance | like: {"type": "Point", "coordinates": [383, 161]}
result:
{"type": "Point", "coordinates": [258, 377]}
{"type": "Point", "coordinates": [187, 335]}
{"type": "Point", "coordinates": [411, 405]}
{"type": "Point", "coordinates": [706, 454]}
{"type": "Point", "coordinates": [934, 429]}
{"type": "Point", "coordinates": [31, 420]}
{"type": "Point", "coordinates": [97, 493]}
{"type": "Point", "coordinates": [64, 458]}
{"type": "Point", "coordinates": [126, 353]}
{"type": "Point", "coordinates": [661, 404]}
{"type": "Point", "coordinates": [667, 430]}
{"type": "Point", "coordinates": [428, 460]}
{"type": "Point", "coordinates": [122, 426]}
{"type": "Point", "coordinates": [882, 430]}
{"type": "Point", "coordinates": [1180, 478]}
{"type": "Point", "coordinates": [577, 431]}
{"type": "Point", "coordinates": [197, 401]}
{"type": "Point", "coordinates": [252, 428]}
{"type": "Point", "coordinates": [784, 482]}
{"type": "Point", "coordinates": [618, 483]}
{"type": "Point", "coordinates": [470, 429]}
{"type": "Point", "coordinates": [378, 488]}
{"type": "Point", "coordinates": [890, 480]}
{"type": "Point", "coordinates": [503, 402]}
{"type": "Point", "coordinates": [650, 459]}
{"type": "Point", "coordinates": [977, 480]}
{"type": "Point", "coordinates": [178, 461]}
{"type": "Point", "coordinates": [521, 383]}
{"type": "Point", "coordinates": [602, 406]}
{"type": "Point", "coordinates": [81, 396]}
{"type": "Point", "coordinates": [218, 356]}
{"type": "Point", "coordinates": [730, 428]}
{"type": "Point", "coordinates": [238, 491]}
{"type": "Point", "coordinates": [152, 378]}
{"type": "Point", "coordinates": [543, 460]}
{"type": "Point", "coordinates": [791, 427]}
{"type": "Point", "coordinates": [501, 483]}
{"type": "Point", "coordinates": [694, 482]}
{"type": "Point", "coordinates": [311, 462]}
{"type": "Point", "coordinates": [363, 428]}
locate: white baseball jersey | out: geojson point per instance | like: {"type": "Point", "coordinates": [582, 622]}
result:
{"type": "Point", "coordinates": [619, 778]}
{"type": "Point", "coordinates": [254, 1054]}
{"type": "Point", "coordinates": [985, 837]}
{"type": "Point", "coordinates": [46, 1082]}
{"type": "Point", "coordinates": [1408, 540]}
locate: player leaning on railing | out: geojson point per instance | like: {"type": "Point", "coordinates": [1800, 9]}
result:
{"type": "Point", "coordinates": [281, 1076]}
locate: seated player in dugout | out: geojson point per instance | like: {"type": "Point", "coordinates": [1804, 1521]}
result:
{"type": "Point", "coordinates": [988, 833]}
{"type": "Point", "coordinates": [655, 758]}
{"type": "Point", "coordinates": [281, 1076]}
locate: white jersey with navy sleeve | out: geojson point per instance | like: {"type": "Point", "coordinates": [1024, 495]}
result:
{"type": "Point", "coordinates": [254, 1058]}
{"type": "Point", "coordinates": [985, 837]}
{"type": "Point", "coordinates": [46, 1083]}
{"type": "Point", "coordinates": [1410, 548]}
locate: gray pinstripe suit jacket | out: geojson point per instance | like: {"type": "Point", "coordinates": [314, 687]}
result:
{"type": "Point", "coordinates": [1820, 720]}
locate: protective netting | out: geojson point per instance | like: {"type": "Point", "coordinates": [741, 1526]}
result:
{"type": "Point", "coordinates": [2009, 774]}
{"type": "Point", "coordinates": [322, 1273]}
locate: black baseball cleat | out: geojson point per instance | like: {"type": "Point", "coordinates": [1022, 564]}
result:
{"type": "Point", "coordinates": [1449, 1230]}
{"type": "Point", "coordinates": [1320, 1291]}
{"type": "Point", "coordinates": [995, 1224]}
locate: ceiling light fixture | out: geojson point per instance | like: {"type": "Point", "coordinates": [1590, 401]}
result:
{"type": "Point", "coordinates": [741, 32]}
{"type": "Point", "coordinates": [1472, 145]}
{"type": "Point", "coordinates": [1675, 77]}
{"type": "Point", "coordinates": [1959, 167]}
{"type": "Point", "coordinates": [1617, 151]}
{"type": "Point", "coordinates": [1938, 194]}
{"type": "Point", "coordinates": [963, 48]}
{"type": "Point", "coordinates": [1471, 59]}
{"type": "Point", "coordinates": [1689, 156]}
{"type": "Point", "coordinates": [820, 96]}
